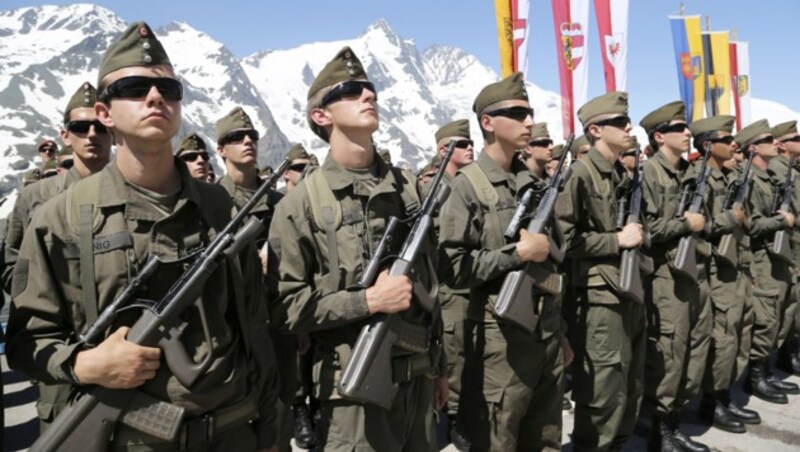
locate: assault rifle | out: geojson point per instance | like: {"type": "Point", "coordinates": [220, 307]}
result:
{"type": "Point", "coordinates": [89, 422]}
{"type": "Point", "coordinates": [516, 300]}
{"type": "Point", "coordinates": [633, 262]}
{"type": "Point", "coordinates": [781, 246]}
{"type": "Point", "coordinates": [368, 376]}
{"type": "Point", "coordinates": [686, 259]}
{"type": "Point", "coordinates": [735, 199]}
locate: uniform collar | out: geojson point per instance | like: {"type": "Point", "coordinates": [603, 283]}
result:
{"type": "Point", "coordinates": [600, 162]}
{"type": "Point", "coordinates": [496, 174]}
{"type": "Point", "coordinates": [661, 159]}
{"type": "Point", "coordinates": [115, 192]}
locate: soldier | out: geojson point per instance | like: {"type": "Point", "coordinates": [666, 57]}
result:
{"type": "Point", "coordinates": [627, 159]}
{"type": "Point", "coordinates": [676, 304]}
{"type": "Point", "coordinates": [728, 284]}
{"type": "Point", "coordinates": [770, 276]}
{"type": "Point", "coordinates": [194, 153]}
{"type": "Point", "coordinates": [300, 160]}
{"type": "Point", "coordinates": [47, 150]}
{"type": "Point", "coordinates": [144, 203]}
{"type": "Point", "coordinates": [503, 363]}
{"type": "Point", "coordinates": [454, 301]}
{"type": "Point", "coordinates": [324, 231]}
{"type": "Point", "coordinates": [50, 169]}
{"type": "Point", "coordinates": [426, 174]}
{"type": "Point", "coordinates": [580, 147]}
{"type": "Point", "coordinates": [788, 141]}
{"type": "Point", "coordinates": [539, 151]}
{"type": "Point", "coordinates": [553, 163]}
{"type": "Point", "coordinates": [608, 328]}
{"type": "Point", "coordinates": [65, 160]}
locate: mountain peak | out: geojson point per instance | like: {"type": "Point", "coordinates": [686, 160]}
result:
{"type": "Point", "coordinates": [381, 26]}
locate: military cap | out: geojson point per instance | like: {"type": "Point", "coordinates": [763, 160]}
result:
{"type": "Point", "coordinates": [615, 102]}
{"type": "Point", "coordinates": [666, 113]}
{"type": "Point", "coordinates": [192, 142]}
{"type": "Point", "coordinates": [31, 176]}
{"type": "Point", "coordinates": [426, 169]}
{"type": "Point", "coordinates": [558, 150]}
{"type": "Point", "coordinates": [385, 155]}
{"type": "Point", "coordinates": [237, 119]}
{"type": "Point", "coordinates": [297, 152]}
{"type": "Point", "coordinates": [579, 143]}
{"type": "Point", "coordinates": [85, 96]}
{"type": "Point", "coordinates": [632, 149]}
{"type": "Point", "coordinates": [784, 129]}
{"type": "Point", "coordinates": [510, 88]}
{"type": "Point", "coordinates": [66, 150]}
{"type": "Point", "coordinates": [459, 128]}
{"type": "Point", "coordinates": [343, 67]}
{"type": "Point", "coordinates": [47, 143]}
{"type": "Point", "coordinates": [540, 131]}
{"type": "Point", "coordinates": [138, 46]}
{"type": "Point", "coordinates": [721, 123]}
{"type": "Point", "coordinates": [313, 160]}
{"type": "Point", "coordinates": [746, 135]}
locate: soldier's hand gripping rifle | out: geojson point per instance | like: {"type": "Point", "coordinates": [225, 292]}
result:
{"type": "Point", "coordinates": [633, 262]}
{"type": "Point", "coordinates": [686, 259]}
{"type": "Point", "coordinates": [368, 376]}
{"type": "Point", "coordinates": [89, 422]}
{"type": "Point", "coordinates": [727, 250]}
{"type": "Point", "coordinates": [781, 246]}
{"type": "Point", "coordinates": [517, 298]}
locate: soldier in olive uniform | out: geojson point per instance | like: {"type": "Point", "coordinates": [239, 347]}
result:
{"type": "Point", "coordinates": [143, 204]}
{"type": "Point", "coordinates": [727, 280]}
{"type": "Point", "coordinates": [627, 159]}
{"type": "Point", "coordinates": [676, 302]}
{"type": "Point", "coordinates": [454, 301]}
{"type": "Point", "coordinates": [788, 141]}
{"type": "Point", "coordinates": [606, 326]}
{"type": "Point", "coordinates": [580, 147]}
{"type": "Point", "coordinates": [324, 232]}
{"type": "Point", "coordinates": [513, 381]}
{"type": "Point", "coordinates": [47, 150]}
{"type": "Point", "coordinates": [194, 153]}
{"type": "Point", "coordinates": [770, 277]}
{"type": "Point", "coordinates": [539, 151]}
{"type": "Point", "coordinates": [299, 160]}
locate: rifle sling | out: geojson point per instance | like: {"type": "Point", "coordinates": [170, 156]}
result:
{"type": "Point", "coordinates": [88, 287]}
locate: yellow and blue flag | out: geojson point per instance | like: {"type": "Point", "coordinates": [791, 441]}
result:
{"type": "Point", "coordinates": [689, 58]}
{"type": "Point", "coordinates": [718, 73]}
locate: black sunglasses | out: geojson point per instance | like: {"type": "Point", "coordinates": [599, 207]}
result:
{"type": "Point", "coordinates": [463, 144]}
{"type": "Point", "coordinates": [82, 127]}
{"type": "Point", "coordinates": [192, 156]}
{"type": "Point", "coordinates": [794, 139]}
{"type": "Point", "coordinates": [350, 88]}
{"type": "Point", "coordinates": [620, 122]}
{"type": "Point", "coordinates": [48, 150]}
{"type": "Point", "coordinates": [49, 173]}
{"type": "Point", "coordinates": [299, 167]}
{"type": "Point", "coordinates": [542, 143]}
{"type": "Point", "coordinates": [765, 140]}
{"type": "Point", "coordinates": [515, 113]}
{"type": "Point", "coordinates": [136, 87]}
{"type": "Point", "coordinates": [724, 140]}
{"type": "Point", "coordinates": [237, 136]}
{"type": "Point", "coordinates": [678, 127]}
{"type": "Point", "coordinates": [66, 164]}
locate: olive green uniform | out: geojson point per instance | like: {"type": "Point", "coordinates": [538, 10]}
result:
{"type": "Point", "coordinates": [674, 302]}
{"type": "Point", "coordinates": [513, 382]}
{"type": "Point", "coordinates": [609, 336]}
{"type": "Point", "coordinates": [52, 398]}
{"type": "Point", "coordinates": [129, 224]}
{"type": "Point", "coordinates": [327, 304]}
{"type": "Point", "coordinates": [728, 287]}
{"type": "Point", "coordinates": [771, 277]}
{"type": "Point", "coordinates": [778, 168]}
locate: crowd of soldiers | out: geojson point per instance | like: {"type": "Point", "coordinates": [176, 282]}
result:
{"type": "Point", "coordinates": [280, 318]}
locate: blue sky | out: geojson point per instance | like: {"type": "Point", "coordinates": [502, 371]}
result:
{"type": "Point", "coordinates": [249, 26]}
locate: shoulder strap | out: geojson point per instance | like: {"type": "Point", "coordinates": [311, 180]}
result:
{"type": "Point", "coordinates": [81, 206]}
{"type": "Point", "coordinates": [596, 179]}
{"type": "Point", "coordinates": [663, 178]}
{"type": "Point", "coordinates": [328, 217]}
{"type": "Point", "coordinates": [486, 193]}
{"type": "Point", "coordinates": [409, 194]}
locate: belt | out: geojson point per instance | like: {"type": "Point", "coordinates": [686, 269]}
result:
{"type": "Point", "coordinates": [202, 430]}
{"type": "Point", "coordinates": [405, 368]}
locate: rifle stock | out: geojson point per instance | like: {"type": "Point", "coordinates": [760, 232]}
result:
{"type": "Point", "coordinates": [517, 296]}
{"type": "Point", "coordinates": [727, 250]}
{"type": "Point", "coordinates": [89, 422]}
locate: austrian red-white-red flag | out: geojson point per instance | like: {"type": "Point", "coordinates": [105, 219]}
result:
{"type": "Point", "coordinates": [571, 20]}
{"type": "Point", "coordinates": [612, 24]}
{"type": "Point", "coordinates": [740, 82]}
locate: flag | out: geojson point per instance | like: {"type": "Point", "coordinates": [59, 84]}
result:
{"type": "Point", "coordinates": [689, 61]}
{"type": "Point", "coordinates": [740, 82]}
{"type": "Point", "coordinates": [612, 24]}
{"type": "Point", "coordinates": [512, 35]}
{"type": "Point", "coordinates": [718, 73]}
{"type": "Point", "coordinates": [571, 19]}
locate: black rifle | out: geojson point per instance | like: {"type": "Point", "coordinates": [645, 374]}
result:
{"type": "Point", "coordinates": [686, 259]}
{"type": "Point", "coordinates": [633, 262]}
{"type": "Point", "coordinates": [89, 422]}
{"type": "Point", "coordinates": [727, 251]}
{"type": "Point", "coordinates": [781, 245]}
{"type": "Point", "coordinates": [368, 376]}
{"type": "Point", "coordinates": [517, 297]}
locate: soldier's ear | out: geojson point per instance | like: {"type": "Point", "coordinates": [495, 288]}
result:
{"type": "Point", "coordinates": [103, 113]}
{"type": "Point", "coordinates": [320, 117]}
{"type": "Point", "coordinates": [486, 123]}
{"type": "Point", "coordinates": [64, 137]}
